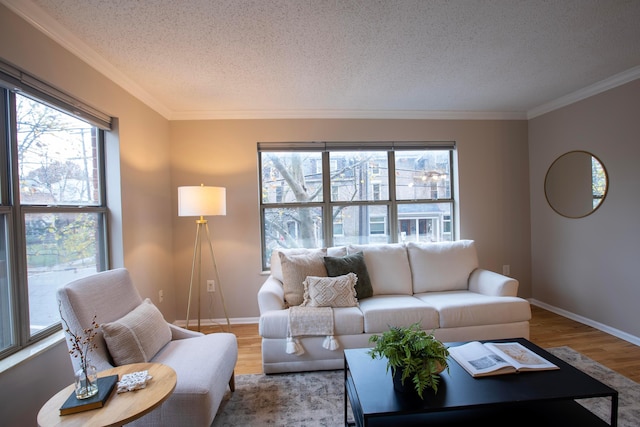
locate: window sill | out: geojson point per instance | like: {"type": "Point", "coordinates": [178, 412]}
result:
{"type": "Point", "coordinates": [30, 352]}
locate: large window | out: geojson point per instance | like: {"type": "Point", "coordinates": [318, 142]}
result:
{"type": "Point", "coordinates": [331, 194]}
{"type": "Point", "coordinates": [52, 209]}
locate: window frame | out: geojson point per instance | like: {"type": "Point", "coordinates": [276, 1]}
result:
{"type": "Point", "coordinates": [21, 334]}
{"type": "Point", "coordinates": [327, 204]}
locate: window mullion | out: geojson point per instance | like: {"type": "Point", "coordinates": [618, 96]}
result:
{"type": "Point", "coordinates": [393, 205]}
{"type": "Point", "coordinates": [327, 220]}
{"type": "Point", "coordinates": [453, 164]}
{"type": "Point", "coordinates": [18, 264]}
{"type": "Point", "coordinates": [10, 334]}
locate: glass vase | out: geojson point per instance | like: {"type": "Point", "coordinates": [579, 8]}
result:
{"type": "Point", "coordinates": [86, 382]}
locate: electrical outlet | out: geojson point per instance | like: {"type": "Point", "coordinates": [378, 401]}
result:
{"type": "Point", "coordinates": [211, 285]}
{"type": "Point", "coordinates": [506, 269]}
{"type": "Point", "coordinates": [160, 295]}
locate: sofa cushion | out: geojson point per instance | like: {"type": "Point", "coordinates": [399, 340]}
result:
{"type": "Point", "coordinates": [346, 321]}
{"type": "Point", "coordinates": [276, 266]}
{"type": "Point", "coordinates": [138, 336]}
{"type": "Point", "coordinates": [388, 267]}
{"type": "Point", "coordinates": [441, 266]}
{"type": "Point", "coordinates": [354, 263]}
{"type": "Point", "coordinates": [383, 311]}
{"type": "Point", "coordinates": [296, 268]}
{"type": "Point", "coordinates": [465, 308]}
{"type": "Point", "coordinates": [336, 291]}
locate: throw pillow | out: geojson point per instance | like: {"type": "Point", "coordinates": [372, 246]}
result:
{"type": "Point", "coordinates": [276, 266]}
{"type": "Point", "coordinates": [388, 267]}
{"type": "Point", "coordinates": [295, 269]}
{"type": "Point", "coordinates": [442, 266]}
{"type": "Point", "coordinates": [138, 336]}
{"type": "Point", "coordinates": [330, 291]}
{"type": "Point", "coordinates": [354, 263]}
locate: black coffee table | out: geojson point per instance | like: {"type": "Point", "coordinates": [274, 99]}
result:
{"type": "Point", "coordinates": [544, 398]}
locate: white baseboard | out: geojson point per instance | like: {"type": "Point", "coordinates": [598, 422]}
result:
{"type": "Point", "coordinates": [604, 328]}
{"type": "Point", "coordinates": [215, 322]}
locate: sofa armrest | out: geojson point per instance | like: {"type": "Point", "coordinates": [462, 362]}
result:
{"type": "Point", "coordinates": [271, 295]}
{"type": "Point", "coordinates": [178, 333]}
{"type": "Point", "coordinates": [490, 283]}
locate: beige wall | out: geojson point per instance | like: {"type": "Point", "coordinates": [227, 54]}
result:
{"type": "Point", "coordinates": [139, 198]}
{"type": "Point", "coordinates": [493, 184]}
{"type": "Point", "coordinates": [589, 266]}
{"type": "Point", "coordinates": [138, 153]}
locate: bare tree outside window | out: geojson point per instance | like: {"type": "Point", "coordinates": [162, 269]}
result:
{"type": "Point", "coordinates": [292, 179]}
{"type": "Point", "coordinates": [598, 181]}
{"type": "Point", "coordinates": [58, 177]}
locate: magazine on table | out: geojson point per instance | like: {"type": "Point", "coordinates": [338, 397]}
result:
{"type": "Point", "coordinates": [483, 359]}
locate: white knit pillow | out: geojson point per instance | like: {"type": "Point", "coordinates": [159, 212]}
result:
{"type": "Point", "coordinates": [138, 336]}
{"type": "Point", "coordinates": [336, 291]}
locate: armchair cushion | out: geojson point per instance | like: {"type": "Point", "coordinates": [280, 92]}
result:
{"type": "Point", "coordinates": [138, 336]}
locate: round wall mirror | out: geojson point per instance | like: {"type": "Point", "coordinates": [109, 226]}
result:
{"type": "Point", "coordinates": [576, 184]}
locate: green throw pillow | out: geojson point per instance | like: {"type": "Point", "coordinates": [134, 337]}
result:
{"type": "Point", "coordinates": [354, 263]}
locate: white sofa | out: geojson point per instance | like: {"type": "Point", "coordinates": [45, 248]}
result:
{"type": "Point", "coordinates": [439, 285]}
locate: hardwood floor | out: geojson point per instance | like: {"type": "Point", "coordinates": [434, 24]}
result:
{"type": "Point", "coordinates": [547, 330]}
{"type": "Point", "coordinates": [551, 330]}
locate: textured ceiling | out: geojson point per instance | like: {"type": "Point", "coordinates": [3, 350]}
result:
{"type": "Point", "coordinates": [340, 58]}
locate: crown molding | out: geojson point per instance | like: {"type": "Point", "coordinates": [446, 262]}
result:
{"type": "Point", "coordinates": [35, 16]}
{"type": "Point", "coordinates": [594, 89]}
{"type": "Point", "coordinates": [347, 114]}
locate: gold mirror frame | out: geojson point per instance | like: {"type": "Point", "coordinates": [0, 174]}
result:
{"type": "Point", "coordinates": [576, 184]}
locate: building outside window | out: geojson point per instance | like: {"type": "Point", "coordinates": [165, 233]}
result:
{"type": "Point", "coordinates": [377, 224]}
{"type": "Point", "coordinates": [376, 191]}
{"type": "Point", "coordinates": [52, 211]}
{"type": "Point", "coordinates": [364, 193]}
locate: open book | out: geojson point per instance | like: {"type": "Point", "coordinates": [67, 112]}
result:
{"type": "Point", "coordinates": [498, 358]}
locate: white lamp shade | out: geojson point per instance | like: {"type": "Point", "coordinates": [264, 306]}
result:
{"type": "Point", "coordinates": [202, 201]}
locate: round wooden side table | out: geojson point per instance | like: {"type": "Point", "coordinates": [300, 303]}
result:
{"type": "Point", "coordinates": [119, 408]}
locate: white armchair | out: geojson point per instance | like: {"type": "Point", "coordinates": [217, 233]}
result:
{"type": "Point", "coordinates": [204, 364]}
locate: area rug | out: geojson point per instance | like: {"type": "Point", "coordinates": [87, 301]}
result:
{"type": "Point", "coordinates": [628, 390]}
{"type": "Point", "coordinates": [316, 399]}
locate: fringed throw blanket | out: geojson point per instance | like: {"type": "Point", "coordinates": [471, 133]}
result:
{"type": "Point", "coordinates": [310, 321]}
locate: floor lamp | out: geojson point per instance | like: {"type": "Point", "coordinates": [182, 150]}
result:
{"type": "Point", "coordinates": [201, 201]}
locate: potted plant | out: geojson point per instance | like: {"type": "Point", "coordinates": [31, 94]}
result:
{"type": "Point", "coordinates": [412, 354]}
